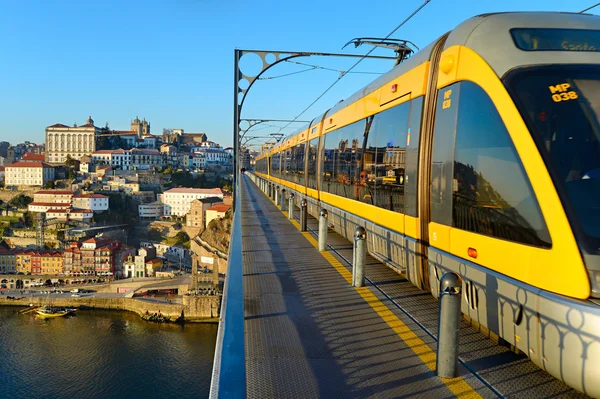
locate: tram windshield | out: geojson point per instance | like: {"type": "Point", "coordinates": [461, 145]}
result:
{"type": "Point", "coordinates": [561, 105]}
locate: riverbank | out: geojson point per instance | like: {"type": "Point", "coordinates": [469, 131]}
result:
{"type": "Point", "coordinates": [169, 312]}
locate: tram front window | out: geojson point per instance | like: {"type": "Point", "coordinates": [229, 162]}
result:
{"type": "Point", "coordinates": [561, 106]}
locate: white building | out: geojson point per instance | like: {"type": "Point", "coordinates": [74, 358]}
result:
{"type": "Point", "coordinates": [146, 158]}
{"type": "Point", "coordinates": [177, 200]}
{"type": "Point", "coordinates": [44, 207]}
{"type": "Point", "coordinates": [76, 141]}
{"type": "Point", "coordinates": [28, 174]}
{"type": "Point", "coordinates": [152, 211]}
{"type": "Point", "coordinates": [116, 159]}
{"type": "Point", "coordinates": [148, 141]}
{"type": "Point", "coordinates": [53, 196]}
{"type": "Point", "coordinates": [215, 157]}
{"type": "Point", "coordinates": [93, 202]}
{"type": "Point", "coordinates": [81, 214]}
{"type": "Point", "coordinates": [216, 212]}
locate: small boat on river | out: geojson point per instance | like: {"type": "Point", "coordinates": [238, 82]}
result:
{"type": "Point", "coordinates": [54, 311]}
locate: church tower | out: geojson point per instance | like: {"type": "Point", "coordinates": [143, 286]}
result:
{"type": "Point", "coordinates": [136, 126]}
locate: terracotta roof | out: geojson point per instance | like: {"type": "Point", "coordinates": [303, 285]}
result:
{"type": "Point", "coordinates": [58, 125]}
{"type": "Point", "coordinates": [55, 192]}
{"type": "Point", "coordinates": [145, 151]}
{"type": "Point", "coordinates": [26, 164]}
{"type": "Point", "coordinates": [82, 211]}
{"type": "Point", "coordinates": [59, 204]}
{"type": "Point", "coordinates": [31, 156]}
{"type": "Point", "coordinates": [122, 133]}
{"type": "Point", "coordinates": [153, 261]}
{"type": "Point", "coordinates": [87, 125]}
{"type": "Point", "coordinates": [117, 151]}
{"type": "Point", "coordinates": [184, 190]}
{"type": "Point", "coordinates": [222, 208]}
{"type": "Point", "coordinates": [90, 196]}
{"type": "Point", "coordinates": [1, 168]}
{"type": "Point", "coordinates": [100, 240]}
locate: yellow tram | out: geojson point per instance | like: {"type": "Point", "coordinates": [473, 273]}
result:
{"type": "Point", "coordinates": [480, 155]}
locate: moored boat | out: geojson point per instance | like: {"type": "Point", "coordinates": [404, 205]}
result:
{"type": "Point", "coordinates": [54, 311]}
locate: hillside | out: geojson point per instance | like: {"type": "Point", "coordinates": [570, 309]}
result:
{"type": "Point", "coordinates": [217, 233]}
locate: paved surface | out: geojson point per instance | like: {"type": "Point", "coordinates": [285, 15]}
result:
{"type": "Point", "coordinates": [309, 334]}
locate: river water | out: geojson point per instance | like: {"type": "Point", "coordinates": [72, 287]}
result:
{"type": "Point", "coordinates": [103, 354]}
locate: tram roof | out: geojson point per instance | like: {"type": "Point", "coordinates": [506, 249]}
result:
{"type": "Point", "coordinates": [489, 36]}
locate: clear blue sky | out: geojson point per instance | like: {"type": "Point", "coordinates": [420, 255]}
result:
{"type": "Point", "coordinates": [171, 62]}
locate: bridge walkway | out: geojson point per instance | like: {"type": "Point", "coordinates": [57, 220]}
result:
{"type": "Point", "coordinates": [309, 333]}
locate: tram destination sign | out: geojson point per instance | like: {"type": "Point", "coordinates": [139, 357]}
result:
{"type": "Point", "coordinates": [546, 39]}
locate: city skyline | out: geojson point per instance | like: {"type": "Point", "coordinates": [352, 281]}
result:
{"type": "Point", "coordinates": [173, 64]}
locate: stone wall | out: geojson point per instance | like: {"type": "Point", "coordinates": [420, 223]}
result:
{"type": "Point", "coordinates": [193, 308]}
{"type": "Point", "coordinates": [7, 195]}
{"type": "Point", "coordinates": [201, 307]}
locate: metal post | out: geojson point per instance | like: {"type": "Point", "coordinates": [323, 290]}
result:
{"type": "Point", "coordinates": [270, 190]}
{"type": "Point", "coordinates": [282, 200]}
{"type": "Point", "coordinates": [360, 257]}
{"type": "Point", "coordinates": [236, 120]}
{"type": "Point", "coordinates": [291, 207]}
{"type": "Point", "coordinates": [449, 325]}
{"type": "Point", "coordinates": [323, 230]}
{"type": "Point", "coordinates": [276, 196]}
{"type": "Point", "coordinates": [303, 214]}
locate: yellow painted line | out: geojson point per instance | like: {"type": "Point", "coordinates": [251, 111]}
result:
{"type": "Point", "coordinates": [458, 386]}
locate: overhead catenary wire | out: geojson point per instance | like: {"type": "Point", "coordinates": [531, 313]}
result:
{"type": "Point", "coordinates": [313, 67]}
{"type": "Point", "coordinates": [356, 63]}
{"type": "Point", "coordinates": [589, 8]}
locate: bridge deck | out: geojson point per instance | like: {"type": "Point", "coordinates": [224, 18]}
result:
{"type": "Point", "coordinates": [308, 333]}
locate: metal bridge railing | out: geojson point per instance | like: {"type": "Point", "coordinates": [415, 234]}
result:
{"type": "Point", "coordinates": [229, 367]}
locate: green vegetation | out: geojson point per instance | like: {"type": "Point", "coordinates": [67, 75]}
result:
{"type": "Point", "coordinates": [9, 219]}
{"type": "Point", "coordinates": [50, 184]}
{"type": "Point", "coordinates": [21, 201]}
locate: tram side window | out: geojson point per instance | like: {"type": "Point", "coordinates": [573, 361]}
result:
{"type": "Point", "coordinates": [491, 192]}
{"type": "Point", "coordinates": [275, 165]}
{"type": "Point", "coordinates": [300, 164]}
{"type": "Point", "coordinates": [412, 157]}
{"type": "Point", "coordinates": [385, 158]}
{"type": "Point", "coordinates": [313, 158]}
{"type": "Point", "coordinates": [342, 160]}
{"type": "Point", "coordinates": [286, 164]}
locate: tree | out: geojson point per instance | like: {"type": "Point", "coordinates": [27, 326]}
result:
{"type": "Point", "coordinates": [50, 184]}
{"type": "Point", "coordinates": [181, 237]}
{"type": "Point", "coordinates": [71, 175]}
{"type": "Point", "coordinates": [21, 201]}
{"type": "Point", "coordinates": [70, 162]}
